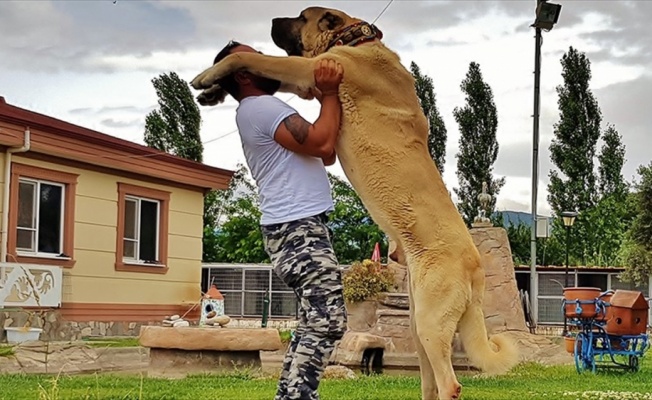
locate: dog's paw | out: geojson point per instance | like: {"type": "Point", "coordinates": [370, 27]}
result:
{"type": "Point", "coordinates": [212, 96]}
{"type": "Point", "coordinates": [201, 81]}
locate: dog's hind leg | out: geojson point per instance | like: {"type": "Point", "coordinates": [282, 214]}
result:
{"type": "Point", "coordinates": [436, 313]}
{"type": "Point", "coordinates": [428, 384]}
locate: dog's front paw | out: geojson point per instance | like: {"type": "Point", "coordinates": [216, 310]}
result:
{"type": "Point", "coordinates": [212, 96]}
{"type": "Point", "coordinates": [203, 80]}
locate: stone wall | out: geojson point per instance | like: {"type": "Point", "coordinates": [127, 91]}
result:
{"type": "Point", "coordinates": [55, 328]}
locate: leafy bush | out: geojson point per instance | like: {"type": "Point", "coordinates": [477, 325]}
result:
{"type": "Point", "coordinates": [366, 279]}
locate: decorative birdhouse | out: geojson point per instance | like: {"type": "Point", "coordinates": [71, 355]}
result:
{"type": "Point", "coordinates": [212, 305]}
{"type": "Point", "coordinates": [628, 314]}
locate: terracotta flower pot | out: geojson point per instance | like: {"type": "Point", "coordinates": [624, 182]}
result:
{"type": "Point", "coordinates": [586, 295]}
{"type": "Point", "coordinates": [570, 344]}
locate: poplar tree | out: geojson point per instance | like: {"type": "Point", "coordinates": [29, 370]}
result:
{"type": "Point", "coordinates": [478, 123]}
{"type": "Point", "coordinates": [573, 185]}
{"type": "Point", "coordinates": [437, 129]}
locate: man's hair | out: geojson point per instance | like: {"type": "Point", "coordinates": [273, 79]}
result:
{"type": "Point", "coordinates": [227, 83]}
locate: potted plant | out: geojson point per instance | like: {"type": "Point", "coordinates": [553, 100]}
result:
{"type": "Point", "coordinates": [363, 282]}
{"type": "Point", "coordinates": [569, 341]}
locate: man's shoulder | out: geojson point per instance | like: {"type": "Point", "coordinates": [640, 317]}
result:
{"type": "Point", "coordinates": [256, 101]}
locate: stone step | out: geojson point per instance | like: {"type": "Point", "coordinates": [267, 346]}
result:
{"type": "Point", "coordinates": [395, 300]}
{"type": "Point", "coordinates": [387, 312]}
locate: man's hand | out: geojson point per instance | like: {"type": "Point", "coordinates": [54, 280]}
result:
{"type": "Point", "coordinates": [318, 139]}
{"type": "Point", "coordinates": [328, 75]}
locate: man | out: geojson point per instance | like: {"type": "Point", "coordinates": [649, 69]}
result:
{"type": "Point", "coordinates": [287, 158]}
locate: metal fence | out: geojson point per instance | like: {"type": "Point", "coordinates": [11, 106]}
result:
{"type": "Point", "coordinates": [550, 293]}
{"type": "Point", "coordinates": [244, 287]}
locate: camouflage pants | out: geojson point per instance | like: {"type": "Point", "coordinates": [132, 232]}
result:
{"type": "Point", "coordinates": [303, 257]}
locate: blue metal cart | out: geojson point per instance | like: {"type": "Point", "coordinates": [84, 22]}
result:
{"type": "Point", "coordinates": [595, 347]}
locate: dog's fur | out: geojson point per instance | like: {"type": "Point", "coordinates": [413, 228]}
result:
{"type": "Point", "coordinates": [382, 147]}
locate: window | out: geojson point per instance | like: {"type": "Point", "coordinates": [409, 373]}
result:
{"type": "Point", "coordinates": [142, 229]}
{"type": "Point", "coordinates": [43, 221]}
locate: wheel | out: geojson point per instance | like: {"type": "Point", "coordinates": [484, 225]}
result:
{"type": "Point", "coordinates": [583, 354]}
{"type": "Point", "coordinates": [578, 353]}
{"type": "Point", "coordinates": [633, 363]}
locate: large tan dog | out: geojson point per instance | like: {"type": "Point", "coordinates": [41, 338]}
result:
{"type": "Point", "coordinates": [383, 150]}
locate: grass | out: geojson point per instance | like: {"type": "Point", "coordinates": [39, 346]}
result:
{"type": "Point", "coordinates": [286, 335]}
{"type": "Point", "coordinates": [113, 342]}
{"type": "Point", "coordinates": [530, 381]}
{"type": "Point", "coordinates": [6, 351]}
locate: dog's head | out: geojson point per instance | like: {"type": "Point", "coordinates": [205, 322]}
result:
{"type": "Point", "coordinates": [310, 33]}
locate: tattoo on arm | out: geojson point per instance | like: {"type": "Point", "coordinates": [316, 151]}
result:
{"type": "Point", "coordinates": [298, 127]}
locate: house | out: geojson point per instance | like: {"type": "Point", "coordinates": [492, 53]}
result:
{"type": "Point", "coordinates": [106, 232]}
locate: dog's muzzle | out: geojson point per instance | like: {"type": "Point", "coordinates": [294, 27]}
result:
{"type": "Point", "coordinates": [286, 36]}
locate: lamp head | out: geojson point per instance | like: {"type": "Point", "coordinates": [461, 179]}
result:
{"type": "Point", "coordinates": [569, 218]}
{"type": "Point", "coordinates": [547, 15]}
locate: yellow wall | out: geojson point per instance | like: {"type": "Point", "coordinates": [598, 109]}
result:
{"type": "Point", "coordinates": [93, 279]}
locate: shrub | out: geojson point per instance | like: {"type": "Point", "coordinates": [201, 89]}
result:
{"type": "Point", "coordinates": [365, 280]}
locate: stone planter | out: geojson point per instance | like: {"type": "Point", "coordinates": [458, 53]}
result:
{"type": "Point", "coordinates": [20, 335]}
{"type": "Point", "coordinates": [362, 315]}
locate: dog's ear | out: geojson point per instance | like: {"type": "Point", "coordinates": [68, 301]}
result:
{"type": "Point", "coordinates": [329, 22]}
{"type": "Point", "coordinates": [212, 96]}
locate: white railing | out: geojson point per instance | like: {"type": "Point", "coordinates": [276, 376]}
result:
{"type": "Point", "coordinates": [30, 285]}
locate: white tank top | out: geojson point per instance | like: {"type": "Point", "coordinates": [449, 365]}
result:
{"type": "Point", "coordinates": [291, 186]}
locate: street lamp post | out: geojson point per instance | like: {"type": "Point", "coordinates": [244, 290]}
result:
{"type": "Point", "coordinates": [547, 15]}
{"type": "Point", "coordinates": [569, 219]}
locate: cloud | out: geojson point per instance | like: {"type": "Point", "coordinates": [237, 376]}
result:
{"type": "Point", "coordinates": [57, 35]}
{"type": "Point", "coordinates": [116, 123]}
{"type": "Point", "coordinates": [111, 109]}
{"type": "Point", "coordinates": [626, 105]}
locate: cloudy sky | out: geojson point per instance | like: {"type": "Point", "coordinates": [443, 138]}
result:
{"type": "Point", "coordinates": [91, 63]}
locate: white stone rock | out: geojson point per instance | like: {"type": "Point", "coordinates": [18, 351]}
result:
{"type": "Point", "coordinates": [219, 320]}
{"type": "Point", "coordinates": [174, 318]}
{"type": "Point", "coordinates": [180, 323]}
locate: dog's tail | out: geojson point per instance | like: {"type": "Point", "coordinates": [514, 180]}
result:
{"type": "Point", "coordinates": [494, 355]}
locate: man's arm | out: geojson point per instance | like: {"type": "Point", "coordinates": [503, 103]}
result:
{"type": "Point", "coordinates": [318, 139]}
{"type": "Point", "coordinates": [330, 160]}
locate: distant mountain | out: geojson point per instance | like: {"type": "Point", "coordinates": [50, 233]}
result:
{"type": "Point", "coordinates": [516, 217]}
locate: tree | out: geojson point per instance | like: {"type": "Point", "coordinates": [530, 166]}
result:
{"type": "Point", "coordinates": [478, 122]}
{"type": "Point", "coordinates": [573, 148]}
{"type": "Point", "coordinates": [237, 236]}
{"type": "Point", "coordinates": [611, 215]}
{"type": "Point", "coordinates": [437, 130]}
{"type": "Point", "coordinates": [220, 207]}
{"type": "Point", "coordinates": [638, 248]}
{"type": "Point", "coordinates": [612, 159]}
{"type": "Point", "coordinates": [354, 232]}
{"type": "Point", "coordinates": [174, 128]}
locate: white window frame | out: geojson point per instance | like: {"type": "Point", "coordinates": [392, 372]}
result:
{"type": "Point", "coordinates": [35, 210]}
{"type": "Point", "coordinates": [136, 259]}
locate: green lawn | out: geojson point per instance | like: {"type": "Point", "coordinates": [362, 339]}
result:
{"type": "Point", "coordinates": [528, 382]}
